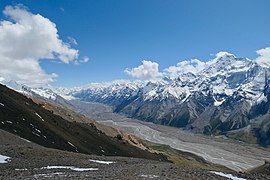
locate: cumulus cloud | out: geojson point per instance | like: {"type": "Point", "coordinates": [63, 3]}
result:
{"type": "Point", "coordinates": [264, 58]}
{"type": "Point", "coordinates": [193, 66]}
{"type": "Point", "coordinates": [148, 70]}
{"type": "Point", "coordinates": [25, 40]}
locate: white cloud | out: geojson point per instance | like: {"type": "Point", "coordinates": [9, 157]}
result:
{"type": "Point", "coordinates": [193, 66]}
{"type": "Point", "coordinates": [264, 58]}
{"type": "Point", "coordinates": [72, 40]}
{"type": "Point", "coordinates": [223, 54]}
{"type": "Point", "coordinates": [148, 70]}
{"type": "Point", "coordinates": [26, 39]}
{"type": "Point", "coordinates": [85, 59]}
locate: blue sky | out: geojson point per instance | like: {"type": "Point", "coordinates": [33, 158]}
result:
{"type": "Point", "coordinates": [120, 34]}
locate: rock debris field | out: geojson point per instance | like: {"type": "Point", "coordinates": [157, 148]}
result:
{"type": "Point", "coordinates": [21, 159]}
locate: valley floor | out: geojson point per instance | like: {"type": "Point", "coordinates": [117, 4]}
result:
{"type": "Point", "coordinates": [235, 155]}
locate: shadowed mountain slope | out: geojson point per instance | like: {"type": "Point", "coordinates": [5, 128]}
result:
{"type": "Point", "coordinates": [21, 116]}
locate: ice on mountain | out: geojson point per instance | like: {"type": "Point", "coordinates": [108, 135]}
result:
{"type": "Point", "coordinates": [46, 93]}
{"type": "Point", "coordinates": [150, 95]}
{"type": "Point", "coordinates": [219, 89]}
{"type": "Point", "coordinates": [174, 91]}
{"type": "Point", "coordinates": [218, 103]}
{"type": "Point", "coordinates": [186, 97]}
{"type": "Point", "coordinates": [262, 98]}
{"type": "Point", "coordinates": [67, 97]}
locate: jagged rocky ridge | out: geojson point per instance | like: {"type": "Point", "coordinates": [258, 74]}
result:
{"type": "Point", "coordinates": [227, 93]}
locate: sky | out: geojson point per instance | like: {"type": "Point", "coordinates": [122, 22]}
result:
{"type": "Point", "coordinates": [76, 42]}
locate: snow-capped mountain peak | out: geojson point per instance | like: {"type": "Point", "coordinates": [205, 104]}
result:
{"type": "Point", "coordinates": [26, 90]}
{"type": "Point", "coordinates": [222, 76]}
{"type": "Point", "coordinates": [221, 93]}
{"type": "Point", "coordinates": [224, 89]}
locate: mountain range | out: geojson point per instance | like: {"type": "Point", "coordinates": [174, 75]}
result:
{"type": "Point", "coordinates": [226, 95]}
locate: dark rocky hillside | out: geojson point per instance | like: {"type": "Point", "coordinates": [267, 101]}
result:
{"type": "Point", "coordinates": [264, 169]}
{"type": "Point", "coordinates": [21, 116]}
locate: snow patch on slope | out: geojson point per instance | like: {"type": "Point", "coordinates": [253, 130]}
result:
{"type": "Point", "coordinates": [4, 159]}
{"type": "Point", "coordinates": [102, 162]}
{"type": "Point", "coordinates": [70, 167]}
{"type": "Point", "coordinates": [230, 176]}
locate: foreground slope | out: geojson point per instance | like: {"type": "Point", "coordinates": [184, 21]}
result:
{"type": "Point", "coordinates": [20, 115]}
{"type": "Point", "coordinates": [31, 161]}
{"type": "Point", "coordinates": [59, 106]}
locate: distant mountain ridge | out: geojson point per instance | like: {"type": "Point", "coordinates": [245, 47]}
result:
{"type": "Point", "coordinates": [227, 93]}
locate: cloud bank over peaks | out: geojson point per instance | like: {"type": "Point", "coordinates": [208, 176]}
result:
{"type": "Point", "coordinates": [25, 40]}
{"type": "Point", "coordinates": [193, 66]}
{"type": "Point", "coordinates": [224, 54]}
{"type": "Point", "coordinates": [264, 58]}
{"type": "Point", "coordinates": [148, 70]}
